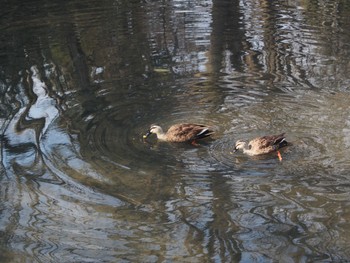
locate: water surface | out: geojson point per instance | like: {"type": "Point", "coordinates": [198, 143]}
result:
{"type": "Point", "coordinates": [80, 83]}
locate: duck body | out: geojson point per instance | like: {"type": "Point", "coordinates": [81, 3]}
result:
{"type": "Point", "coordinates": [182, 132]}
{"type": "Point", "coordinates": [262, 145]}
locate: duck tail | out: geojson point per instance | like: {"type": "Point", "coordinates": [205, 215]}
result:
{"type": "Point", "coordinates": [204, 133]}
{"type": "Point", "coordinates": [281, 141]}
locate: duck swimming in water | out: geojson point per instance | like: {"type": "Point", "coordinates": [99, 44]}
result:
{"type": "Point", "coordinates": [182, 132]}
{"type": "Point", "coordinates": [263, 145]}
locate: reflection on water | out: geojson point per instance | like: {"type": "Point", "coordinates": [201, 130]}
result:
{"type": "Point", "coordinates": [81, 82]}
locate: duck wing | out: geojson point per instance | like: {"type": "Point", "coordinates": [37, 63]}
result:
{"type": "Point", "coordinates": [188, 132]}
{"type": "Point", "coordinates": [273, 141]}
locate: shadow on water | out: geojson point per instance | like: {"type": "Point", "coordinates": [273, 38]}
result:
{"type": "Point", "coordinates": [80, 83]}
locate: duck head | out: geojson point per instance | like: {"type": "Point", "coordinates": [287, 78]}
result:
{"type": "Point", "coordinates": [156, 129]}
{"type": "Point", "coordinates": [239, 145]}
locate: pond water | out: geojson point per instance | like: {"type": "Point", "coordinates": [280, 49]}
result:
{"type": "Point", "coordinates": [82, 81]}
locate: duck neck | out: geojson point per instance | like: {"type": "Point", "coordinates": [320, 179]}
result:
{"type": "Point", "coordinates": [161, 135]}
{"type": "Point", "coordinates": [246, 150]}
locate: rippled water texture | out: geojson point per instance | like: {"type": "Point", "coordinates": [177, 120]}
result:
{"type": "Point", "coordinates": [82, 81]}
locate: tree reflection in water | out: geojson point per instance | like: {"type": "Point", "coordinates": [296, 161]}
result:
{"type": "Point", "coordinates": [81, 81]}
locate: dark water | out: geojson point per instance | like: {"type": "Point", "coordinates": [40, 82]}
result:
{"type": "Point", "coordinates": [81, 81]}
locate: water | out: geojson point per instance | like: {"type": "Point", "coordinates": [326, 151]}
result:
{"type": "Point", "coordinates": [80, 83]}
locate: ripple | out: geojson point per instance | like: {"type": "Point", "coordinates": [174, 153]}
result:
{"type": "Point", "coordinates": [78, 182]}
{"type": "Point", "coordinates": [237, 163]}
{"type": "Point", "coordinates": [300, 156]}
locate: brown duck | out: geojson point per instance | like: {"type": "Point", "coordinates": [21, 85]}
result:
{"type": "Point", "coordinates": [263, 145]}
{"type": "Point", "coordinates": [182, 132]}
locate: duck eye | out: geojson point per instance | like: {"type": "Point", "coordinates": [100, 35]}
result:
{"type": "Point", "coordinates": [250, 146]}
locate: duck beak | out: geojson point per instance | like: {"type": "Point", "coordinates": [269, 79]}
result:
{"type": "Point", "coordinates": [235, 150]}
{"type": "Point", "coordinates": [147, 134]}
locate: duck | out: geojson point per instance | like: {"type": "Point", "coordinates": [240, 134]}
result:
{"type": "Point", "coordinates": [181, 132]}
{"type": "Point", "coordinates": [263, 145]}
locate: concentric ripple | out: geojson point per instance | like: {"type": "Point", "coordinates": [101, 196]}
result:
{"type": "Point", "coordinates": [316, 123]}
